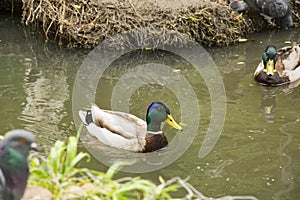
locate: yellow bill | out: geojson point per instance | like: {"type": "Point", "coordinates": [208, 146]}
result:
{"type": "Point", "coordinates": [270, 68]}
{"type": "Point", "coordinates": [173, 123]}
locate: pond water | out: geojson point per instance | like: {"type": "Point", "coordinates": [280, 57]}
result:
{"type": "Point", "coordinates": [257, 153]}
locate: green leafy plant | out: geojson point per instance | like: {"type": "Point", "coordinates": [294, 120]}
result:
{"type": "Point", "coordinates": [58, 170]}
{"type": "Point", "coordinates": [59, 174]}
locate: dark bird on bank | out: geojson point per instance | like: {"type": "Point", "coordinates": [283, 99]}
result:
{"type": "Point", "coordinates": [270, 9]}
{"type": "Point", "coordinates": [14, 170]}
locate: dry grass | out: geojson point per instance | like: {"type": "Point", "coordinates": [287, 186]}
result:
{"type": "Point", "coordinates": [88, 22]}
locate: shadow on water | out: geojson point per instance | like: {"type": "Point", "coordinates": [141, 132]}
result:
{"type": "Point", "coordinates": [257, 153]}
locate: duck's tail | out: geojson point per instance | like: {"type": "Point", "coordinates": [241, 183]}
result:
{"type": "Point", "coordinates": [86, 117]}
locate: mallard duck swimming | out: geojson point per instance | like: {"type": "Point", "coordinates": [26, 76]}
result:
{"type": "Point", "coordinates": [278, 9]}
{"type": "Point", "coordinates": [126, 131]}
{"type": "Point", "coordinates": [279, 67]}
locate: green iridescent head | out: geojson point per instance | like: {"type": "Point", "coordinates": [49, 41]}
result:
{"type": "Point", "coordinates": [157, 113]}
{"type": "Point", "coordinates": [269, 58]}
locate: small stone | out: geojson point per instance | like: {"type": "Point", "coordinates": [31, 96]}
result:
{"type": "Point", "coordinates": [74, 192]}
{"type": "Point", "coordinates": [34, 192]}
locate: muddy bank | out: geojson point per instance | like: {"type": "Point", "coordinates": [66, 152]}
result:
{"type": "Point", "coordinates": [85, 23]}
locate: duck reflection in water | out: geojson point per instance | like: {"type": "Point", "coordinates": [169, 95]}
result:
{"type": "Point", "coordinates": [268, 99]}
{"type": "Point", "coordinates": [268, 103]}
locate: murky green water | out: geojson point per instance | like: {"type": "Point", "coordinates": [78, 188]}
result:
{"type": "Point", "coordinates": [258, 152]}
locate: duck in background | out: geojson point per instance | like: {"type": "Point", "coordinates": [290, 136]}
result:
{"type": "Point", "coordinates": [279, 67]}
{"type": "Point", "coordinates": [14, 171]}
{"type": "Point", "coordinates": [270, 9]}
{"type": "Point", "coordinates": [125, 131]}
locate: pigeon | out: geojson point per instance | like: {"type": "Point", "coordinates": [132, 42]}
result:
{"type": "Point", "coordinates": [278, 9]}
{"type": "Point", "coordinates": [14, 170]}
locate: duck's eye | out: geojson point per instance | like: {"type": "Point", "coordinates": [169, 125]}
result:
{"type": "Point", "coordinates": [159, 109]}
{"type": "Point", "coordinates": [22, 140]}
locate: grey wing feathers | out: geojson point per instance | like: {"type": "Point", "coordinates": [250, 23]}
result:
{"type": "Point", "coordinates": [2, 185]}
{"type": "Point", "coordinates": [273, 8]}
